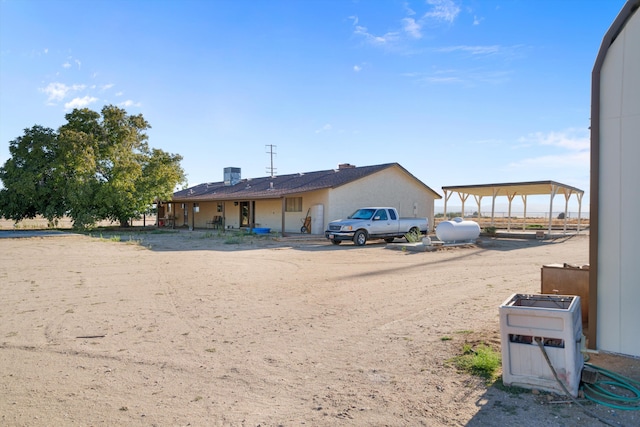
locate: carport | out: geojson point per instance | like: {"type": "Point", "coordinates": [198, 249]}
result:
{"type": "Point", "coordinates": [512, 189]}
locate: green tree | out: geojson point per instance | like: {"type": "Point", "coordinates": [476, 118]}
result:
{"type": "Point", "coordinates": [101, 167]}
{"type": "Point", "coordinates": [31, 177]}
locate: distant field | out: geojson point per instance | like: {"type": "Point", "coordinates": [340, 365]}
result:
{"type": "Point", "coordinates": [500, 222]}
{"type": "Point", "coordinates": [41, 223]}
{"type": "Point", "coordinates": [530, 222]}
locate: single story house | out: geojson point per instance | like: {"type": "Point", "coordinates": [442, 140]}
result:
{"type": "Point", "coordinates": [283, 203]}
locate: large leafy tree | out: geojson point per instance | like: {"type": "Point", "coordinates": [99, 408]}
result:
{"type": "Point", "coordinates": [101, 167]}
{"type": "Point", "coordinates": [31, 177]}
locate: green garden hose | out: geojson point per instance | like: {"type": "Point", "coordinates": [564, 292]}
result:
{"type": "Point", "coordinates": [612, 400]}
{"type": "Point", "coordinates": [613, 390]}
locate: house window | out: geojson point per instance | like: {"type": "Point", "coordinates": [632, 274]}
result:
{"type": "Point", "coordinates": [293, 204]}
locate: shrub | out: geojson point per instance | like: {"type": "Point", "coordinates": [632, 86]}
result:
{"type": "Point", "coordinates": [413, 236]}
{"type": "Point", "coordinates": [482, 361]}
{"type": "Point", "coordinates": [491, 231]}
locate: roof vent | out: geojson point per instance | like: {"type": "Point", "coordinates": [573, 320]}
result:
{"type": "Point", "coordinates": [231, 176]}
{"type": "Point", "coordinates": [346, 166]}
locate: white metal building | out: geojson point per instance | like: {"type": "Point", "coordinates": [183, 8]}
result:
{"type": "Point", "coordinates": [614, 285]}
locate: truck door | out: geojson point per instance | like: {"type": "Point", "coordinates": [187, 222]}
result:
{"type": "Point", "coordinates": [380, 223]}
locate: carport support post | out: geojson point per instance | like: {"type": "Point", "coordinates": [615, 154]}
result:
{"type": "Point", "coordinates": [554, 190]}
{"type": "Point", "coordinates": [446, 198]}
{"type": "Point", "coordinates": [493, 206]}
{"type": "Point", "coordinates": [579, 209]}
{"type": "Point", "coordinates": [478, 200]}
{"type": "Point", "coordinates": [566, 207]}
{"type": "Point", "coordinates": [524, 221]}
{"type": "Point", "coordinates": [463, 199]}
{"type": "Point", "coordinates": [510, 198]}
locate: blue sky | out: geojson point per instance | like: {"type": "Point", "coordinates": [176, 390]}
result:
{"type": "Point", "coordinates": [457, 91]}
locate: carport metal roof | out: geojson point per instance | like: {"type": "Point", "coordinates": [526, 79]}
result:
{"type": "Point", "coordinates": [513, 189]}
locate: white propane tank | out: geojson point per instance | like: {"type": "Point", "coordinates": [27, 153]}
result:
{"type": "Point", "coordinates": [457, 230]}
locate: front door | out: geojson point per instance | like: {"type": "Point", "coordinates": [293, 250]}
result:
{"type": "Point", "coordinates": [247, 216]}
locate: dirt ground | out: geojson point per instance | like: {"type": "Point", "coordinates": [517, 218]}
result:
{"type": "Point", "coordinates": [201, 329]}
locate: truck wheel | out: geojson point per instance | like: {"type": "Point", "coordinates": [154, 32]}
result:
{"type": "Point", "coordinates": [336, 242]}
{"type": "Point", "coordinates": [360, 238]}
{"type": "Point", "coordinates": [389, 239]}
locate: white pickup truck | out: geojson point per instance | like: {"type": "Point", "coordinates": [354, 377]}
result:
{"type": "Point", "coordinates": [374, 223]}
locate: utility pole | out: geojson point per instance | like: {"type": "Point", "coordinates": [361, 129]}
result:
{"type": "Point", "coordinates": [270, 150]}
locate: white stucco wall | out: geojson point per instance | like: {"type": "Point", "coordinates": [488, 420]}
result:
{"type": "Point", "coordinates": [268, 212]}
{"type": "Point", "coordinates": [619, 189]}
{"type": "Point", "coordinates": [389, 187]}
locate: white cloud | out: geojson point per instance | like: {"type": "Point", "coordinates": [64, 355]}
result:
{"type": "Point", "coordinates": [119, 93]}
{"type": "Point", "coordinates": [572, 150]}
{"type": "Point", "coordinates": [408, 9]}
{"type": "Point", "coordinates": [443, 10]}
{"type": "Point", "coordinates": [66, 65]}
{"type": "Point", "coordinates": [409, 27]}
{"type": "Point", "coordinates": [373, 39]}
{"type": "Point", "coordinates": [78, 63]}
{"type": "Point", "coordinates": [467, 77]}
{"type": "Point", "coordinates": [58, 91]}
{"type": "Point", "coordinates": [80, 102]}
{"type": "Point", "coordinates": [130, 103]}
{"type": "Point", "coordinates": [570, 139]}
{"type": "Point", "coordinates": [357, 68]}
{"type": "Point", "coordinates": [107, 86]}
{"type": "Point", "coordinates": [444, 79]}
{"type": "Point", "coordinates": [412, 28]}
{"type": "Point", "coordinates": [554, 161]}
{"type": "Point", "coordinates": [473, 50]}
{"type": "Point", "coordinates": [325, 128]}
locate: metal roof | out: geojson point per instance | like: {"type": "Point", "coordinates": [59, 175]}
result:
{"type": "Point", "coordinates": [514, 188]}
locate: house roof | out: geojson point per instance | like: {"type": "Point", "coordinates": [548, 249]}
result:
{"type": "Point", "coordinates": [283, 185]}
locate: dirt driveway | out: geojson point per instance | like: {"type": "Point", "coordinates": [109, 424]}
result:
{"type": "Point", "coordinates": [198, 329]}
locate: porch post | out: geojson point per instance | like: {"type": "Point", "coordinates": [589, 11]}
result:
{"type": "Point", "coordinates": [284, 205]}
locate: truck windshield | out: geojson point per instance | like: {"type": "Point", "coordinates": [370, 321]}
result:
{"type": "Point", "coordinates": [362, 214]}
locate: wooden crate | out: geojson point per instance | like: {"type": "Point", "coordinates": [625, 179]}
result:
{"type": "Point", "coordinates": [565, 279]}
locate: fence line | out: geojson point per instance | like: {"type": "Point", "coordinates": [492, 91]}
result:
{"type": "Point", "coordinates": [516, 214]}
